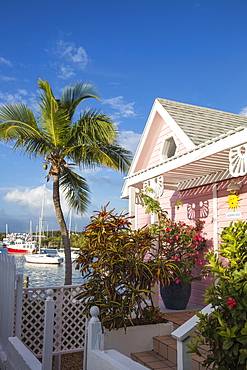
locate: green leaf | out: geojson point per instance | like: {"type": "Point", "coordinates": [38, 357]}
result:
{"type": "Point", "coordinates": [227, 344]}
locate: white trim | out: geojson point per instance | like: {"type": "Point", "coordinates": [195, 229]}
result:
{"type": "Point", "coordinates": [158, 108]}
{"type": "Point", "coordinates": [202, 151]}
{"type": "Point", "coordinates": [181, 135]}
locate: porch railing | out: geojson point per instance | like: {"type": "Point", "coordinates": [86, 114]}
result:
{"type": "Point", "coordinates": [182, 335]}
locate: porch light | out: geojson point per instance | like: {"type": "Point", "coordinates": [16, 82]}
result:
{"type": "Point", "coordinates": [234, 187]}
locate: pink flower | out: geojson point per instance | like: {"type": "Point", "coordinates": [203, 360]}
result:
{"type": "Point", "coordinates": [199, 261]}
{"type": "Point", "coordinates": [177, 281]}
{"type": "Point", "coordinates": [176, 237]}
{"type": "Point", "coordinates": [169, 229]}
{"type": "Point", "coordinates": [231, 302]}
{"type": "Point", "coordinates": [175, 259]}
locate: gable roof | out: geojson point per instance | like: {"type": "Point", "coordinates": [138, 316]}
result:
{"type": "Point", "coordinates": [201, 124]}
{"type": "Point", "coordinates": [212, 134]}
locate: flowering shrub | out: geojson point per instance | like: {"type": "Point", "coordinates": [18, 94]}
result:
{"type": "Point", "coordinates": [225, 331]}
{"type": "Point", "coordinates": [118, 278]}
{"type": "Point", "coordinates": [182, 244]}
{"type": "Point", "coordinates": [153, 315]}
{"type": "Point", "coordinates": [177, 241]}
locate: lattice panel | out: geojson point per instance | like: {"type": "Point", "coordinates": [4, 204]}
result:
{"type": "Point", "coordinates": [69, 323]}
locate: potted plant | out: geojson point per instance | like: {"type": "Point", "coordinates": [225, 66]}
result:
{"type": "Point", "coordinates": [225, 330]}
{"type": "Point", "coordinates": [182, 244]}
{"type": "Point", "coordinates": [179, 243]}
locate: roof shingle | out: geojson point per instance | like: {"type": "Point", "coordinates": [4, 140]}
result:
{"type": "Point", "coordinates": [201, 124]}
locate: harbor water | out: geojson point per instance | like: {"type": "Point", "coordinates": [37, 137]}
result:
{"type": "Point", "coordinates": [42, 275]}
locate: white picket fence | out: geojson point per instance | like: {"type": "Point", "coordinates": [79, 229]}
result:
{"type": "Point", "coordinates": [7, 300]}
{"type": "Point", "coordinates": [69, 322]}
{"type": "Point", "coordinates": [22, 314]}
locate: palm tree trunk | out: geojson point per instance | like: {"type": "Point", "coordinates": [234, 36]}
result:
{"type": "Point", "coordinates": [63, 229]}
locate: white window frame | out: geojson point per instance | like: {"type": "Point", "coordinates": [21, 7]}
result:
{"type": "Point", "coordinates": [165, 146]}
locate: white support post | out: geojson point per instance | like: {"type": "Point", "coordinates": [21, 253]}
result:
{"type": "Point", "coordinates": [18, 317]}
{"type": "Point", "coordinates": [94, 335]}
{"type": "Point", "coordinates": [132, 205]}
{"type": "Point", "coordinates": [215, 216]}
{"type": "Point", "coordinates": [48, 332]}
{"type": "Point", "coordinates": [184, 360]}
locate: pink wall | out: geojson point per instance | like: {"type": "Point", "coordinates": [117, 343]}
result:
{"type": "Point", "coordinates": [150, 153]}
{"type": "Point", "coordinates": [198, 204]}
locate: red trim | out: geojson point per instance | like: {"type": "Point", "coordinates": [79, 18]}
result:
{"type": "Point", "coordinates": [13, 250]}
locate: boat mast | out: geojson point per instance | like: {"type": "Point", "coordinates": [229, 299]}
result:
{"type": "Point", "coordinates": [41, 220]}
{"type": "Point", "coordinates": [70, 215]}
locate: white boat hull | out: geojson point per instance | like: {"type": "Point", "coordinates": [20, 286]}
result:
{"type": "Point", "coordinates": [44, 258]}
{"type": "Point", "coordinates": [74, 254]}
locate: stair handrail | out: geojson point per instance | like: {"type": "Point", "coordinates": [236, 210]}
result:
{"type": "Point", "coordinates": [182, 336]}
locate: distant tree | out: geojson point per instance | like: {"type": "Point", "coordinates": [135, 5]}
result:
{"type": "Point", "coordinates": [64, 144]}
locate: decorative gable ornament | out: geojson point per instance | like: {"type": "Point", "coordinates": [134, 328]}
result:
{"type": "Point", "coordinates": [238, 160]}
{"type": "Point", "coordinates": [157, 186]}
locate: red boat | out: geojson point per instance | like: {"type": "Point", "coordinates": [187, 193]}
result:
{"type": "Point", "coordinates": [20, 245]}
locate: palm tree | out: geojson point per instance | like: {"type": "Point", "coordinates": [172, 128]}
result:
{"type": "Point", "coordinates": [63, 144]}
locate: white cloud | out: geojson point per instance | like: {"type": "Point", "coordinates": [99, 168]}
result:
{"type": "Point", "coordinates": [6, 78]}
{"type": "Point", "coordinates": [21, 96]}
{"type": "Point", "coordinates": [73, 57]}
{"type": "Point", "coordinates": [30, 200]}
{"type": "Point", "coordinates": [11, 98]}
{"type": "Point", "coordinates": [23, 92]}
{"type": "Point", "coordinates": [129, 140]}
{"type": "Point", "coordinates": [5, 62]}
{"type": "Point", "coordinates": [124, 109]}
{"type": "Point", "coordinates": [66, 72]}
{"type": "Point", "coordinates": [243, 111]}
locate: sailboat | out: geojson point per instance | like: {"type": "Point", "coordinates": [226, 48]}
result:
{"type": "Point", "coordinates": [74, 252]}
{"type": "Point", "coordinates": [43, 256]}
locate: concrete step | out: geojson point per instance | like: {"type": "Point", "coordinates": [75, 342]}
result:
{"type": "Point", "coordinates": [164, 355]}
{"type": "Point", "coordinates": [153, 360]}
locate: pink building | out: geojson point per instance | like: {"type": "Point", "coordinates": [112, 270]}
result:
{"type": "Point", "coordinates": [196, 155]}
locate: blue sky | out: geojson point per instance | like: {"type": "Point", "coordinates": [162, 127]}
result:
{"type": "Point", "coordinates": [133, 51]}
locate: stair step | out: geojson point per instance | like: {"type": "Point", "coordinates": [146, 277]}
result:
{"type": "Point", "coordinates": [164, 355]}
{"type": "Point", "coordinates": [153, 361]}
{"type": "Point", "coordinates": [166, 346]}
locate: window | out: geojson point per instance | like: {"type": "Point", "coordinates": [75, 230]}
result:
{"type": "Point", "coordinates": [169, 148]}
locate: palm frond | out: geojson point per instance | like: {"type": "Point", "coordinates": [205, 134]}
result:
{"type": "Point", "coordinates": [18, 124]}
{"type": "Point", "coordinates": [121, 157]}
{"type": "Point", "coordinates": [96, 125]}
{"type": "Point", "coordinates": [74, 94]}
{"type": "Point", "coordinates": [108, 155]}
{"type": "Point", "coordinates": [76, 190]}
{"type": "Point", "coordinates": [54, 119]}
{"type": "Point", "coordinates": [17, 120]}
